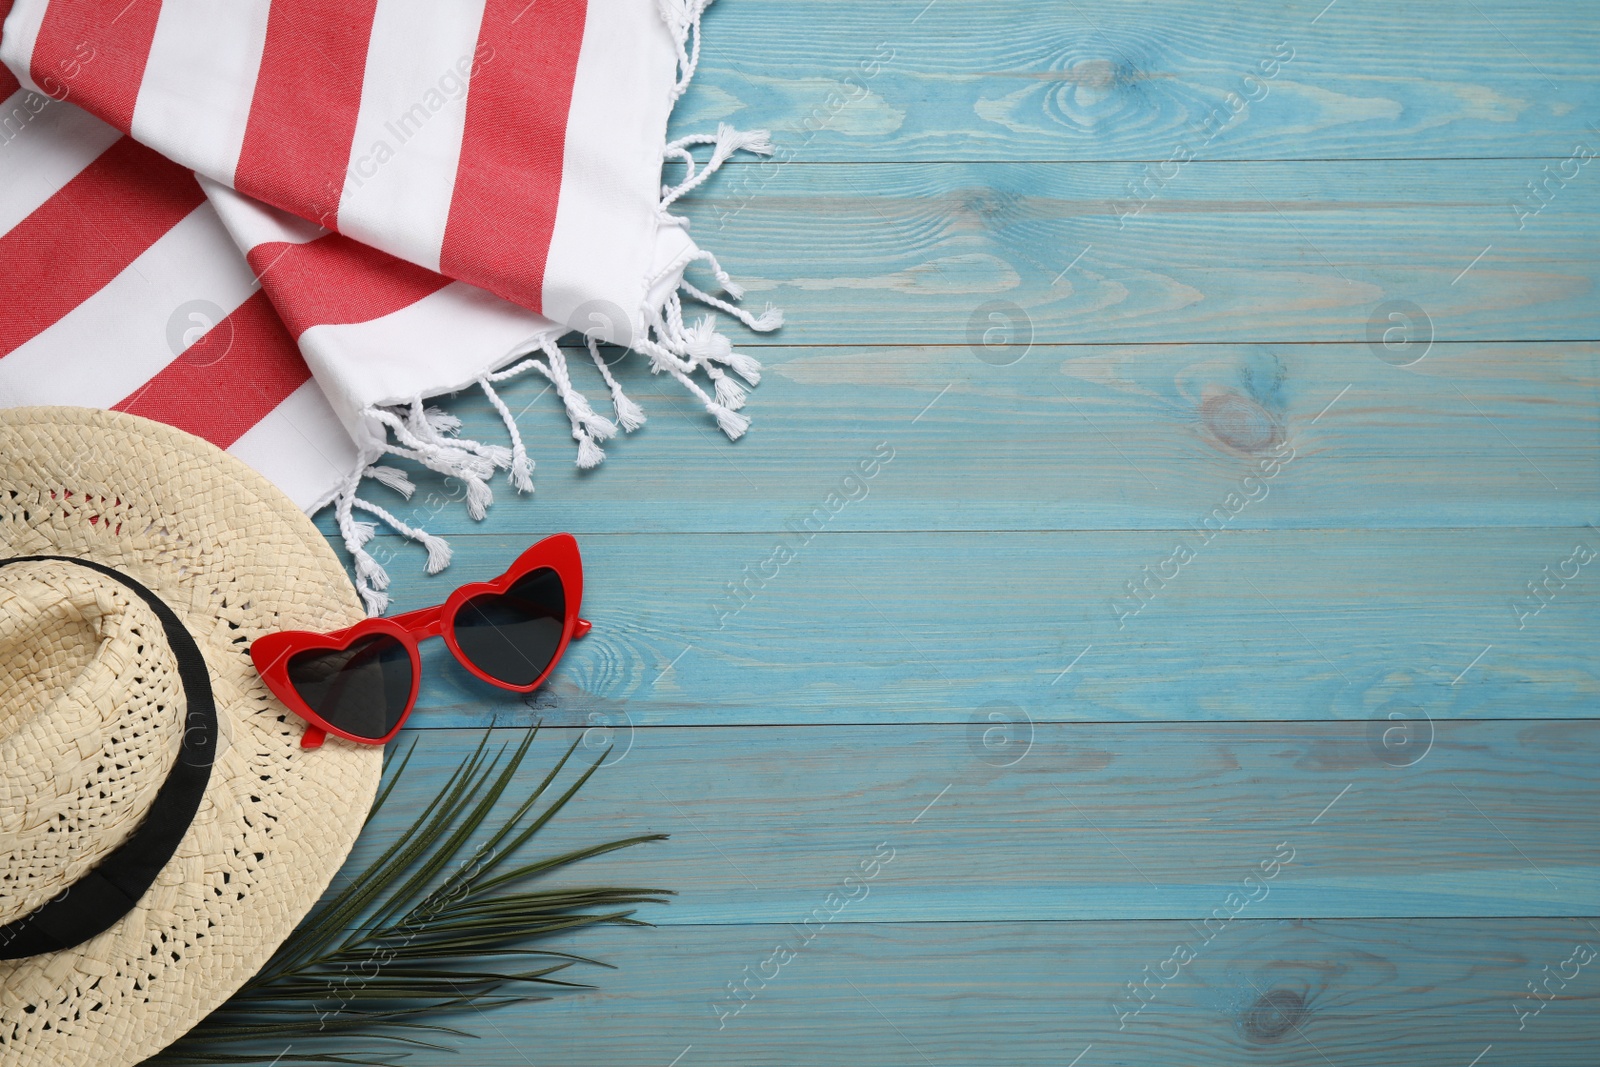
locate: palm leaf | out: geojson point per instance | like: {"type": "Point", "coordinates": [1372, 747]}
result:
{"type": "Point", "coordinates": [409, 940]}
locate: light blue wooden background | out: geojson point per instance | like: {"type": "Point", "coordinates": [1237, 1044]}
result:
{"type": "Point", "coordinates": [1342, 673]}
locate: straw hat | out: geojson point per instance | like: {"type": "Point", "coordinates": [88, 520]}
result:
{"type": "Point", "coordinates": [148, 779]}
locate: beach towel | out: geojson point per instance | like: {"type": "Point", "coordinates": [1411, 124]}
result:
{"type": "Point", "coordinates": [284, 225]}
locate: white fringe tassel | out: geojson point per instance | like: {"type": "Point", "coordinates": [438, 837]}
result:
{"type": "Point", "coordinates": [394, 478]}
{"type": "Point", "coordinates": [371, 579]}
{"type": "Point", "coordinates": [588, 425]}
{"type": "Point", "coordinates": [683, 20]}
{"type": "Point", "coordinates": [447, 458]}
{"type": "Point", "coordinates": [438, 548]}
{"type": "Point", "coordinates": [521, 465]}
{"type": "Point", "coordinates": [428, 436]}
{"type": "Point", "coordinates": [630, 416]}
{"type": "Point", "coordinates": [726, 140]}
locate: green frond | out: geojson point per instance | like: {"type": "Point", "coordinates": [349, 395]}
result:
{"type": "Point", "coordinates": [405, 942]}
{"type": "Point", "coordinates": [443, 852]}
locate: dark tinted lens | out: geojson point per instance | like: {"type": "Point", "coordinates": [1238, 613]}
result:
{"type": "Point", "coordinates": [362, 689]}
{"type": "Point", "coordinates": [512, 636]}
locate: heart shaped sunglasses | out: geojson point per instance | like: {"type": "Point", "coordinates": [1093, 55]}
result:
{"type": "Point", "coordinates": [360, 683]}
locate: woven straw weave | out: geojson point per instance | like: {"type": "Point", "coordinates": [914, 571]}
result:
{"type": "Point", "coordinates": [90, 724]}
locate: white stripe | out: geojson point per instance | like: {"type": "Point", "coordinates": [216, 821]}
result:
{"type": "Point", "coordinates": [408, 131]}
{"type": "Point", "coordinates": [21, 34]}
{"type": "Point", "coordinates": [195, 98]}
{"type": "Point", "coordinates": [251, 223]}
{"type": "Point", "coordinates": [19, 111]}
{"type": "Point", "coordinates": [300, 447]}
{"type": "Point", "coordinates": [438, 344]}
{"type": "Point", "coordinates": [103, 350]}
{"type": "Point", "coordinates": [615, 128]}
{"type": "Point", "coordinates": [45, 154]}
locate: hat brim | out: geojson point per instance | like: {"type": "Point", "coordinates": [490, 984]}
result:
{"type": "Point", "coordinates": [235, 559]}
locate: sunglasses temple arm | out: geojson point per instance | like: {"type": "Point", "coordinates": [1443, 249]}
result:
{"type": "Point", "coordinates": [583, 628]}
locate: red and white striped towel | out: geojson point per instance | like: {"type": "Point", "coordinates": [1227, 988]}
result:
{"type": "Point", "coordinates": [425, 196]}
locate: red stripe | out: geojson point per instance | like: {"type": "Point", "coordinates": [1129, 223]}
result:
{"type": "Point", "coordinates": [228, 380]}
{"type": "Point", "coordinates": [8, 81]}
{"type": "Point", "coordinates": [87, 234]}
{"type": "Point", "coordinates": [503, 210]}
{"type": "Point", "coordinates": [335, 280]}
{"type": "Point", "coordinates": [303, 116]}
{"type": "Point", "coordinates": [94, 55]}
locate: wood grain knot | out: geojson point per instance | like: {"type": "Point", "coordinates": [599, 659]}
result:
{"type": "Point", "coordinates": [1274, 1015]}
{"type": "Point", "coordinates": [1239, 423]}
{"type": "Point", "coordinates": [1092, 90]}
{"type": "Point", "coordinates": [993, 208]}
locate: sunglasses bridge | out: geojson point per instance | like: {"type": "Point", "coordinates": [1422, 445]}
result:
{"type": "Point", "coordinates": [422, 623]}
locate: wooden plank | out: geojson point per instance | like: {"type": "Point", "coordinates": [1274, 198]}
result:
{"type": "Point", "coordinates": [1427, 992]}
{"type": "Point", "coordinates": [1009, 821]}
{"type": "Point", "coordinates": [1233, 251]}
{"type": "Point", "coordinates": [1071, 437]}
{"type": "Point", "coordinates": [928, 627]}
{"type": "Point", "coordinates": [1340, 755]}
{"type": "Point", "coordinates": [900, 80]}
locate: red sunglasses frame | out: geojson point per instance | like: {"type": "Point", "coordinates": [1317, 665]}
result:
{"type": "Point", "coordinates": [271, 652]}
